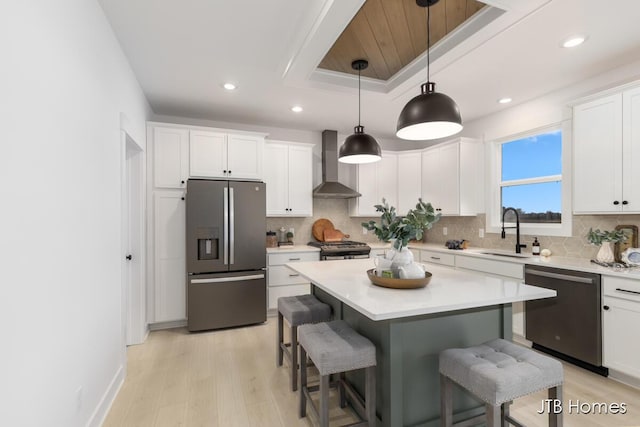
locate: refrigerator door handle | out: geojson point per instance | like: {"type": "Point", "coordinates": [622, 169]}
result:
{"type": "Point", "coordinates": [225, 225]}
{"type": "Point", "coordinates": [232, 215]}
{"type": "Point", "coordinates": [229, 279]}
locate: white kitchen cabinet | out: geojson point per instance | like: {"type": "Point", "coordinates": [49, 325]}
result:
{"type": "Point", "coordinates": [281, 280]}
{"type": "Point", "coordinates": [451, 176]}
{"type": "Point", "coordinates": [620, 320]}
{"type": "Point", "coordinates": [409, 180]}
{"type": "Point", "coordinates": [435, 257]}
{"type": "Point", "coordinates": [215, 154]}
{"type": "Point", "coordinates": [375, 181]}
{"type": "Point", "coordinates": [169, 256]}
{"type": "Point", "coordinates": [288, 174]}
{"type": "Point", "coordinates": [170, 154]}
{"type": "Point", "coordinates": [606, 154]}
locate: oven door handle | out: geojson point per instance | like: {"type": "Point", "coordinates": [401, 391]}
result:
{"type": "Point", "coordinates": [559, 276]}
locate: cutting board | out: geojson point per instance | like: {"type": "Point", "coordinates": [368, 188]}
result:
{"type": "Point", "coordinates": [333, 235]}
{"type": "Point", "coordinates": [318, 227]}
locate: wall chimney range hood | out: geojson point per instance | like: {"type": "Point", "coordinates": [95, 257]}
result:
{"type": "Point", "coordinates": [330, 188]}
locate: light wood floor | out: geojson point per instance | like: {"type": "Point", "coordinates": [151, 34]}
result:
{"type": "Point", "coordinates": [229, 378]}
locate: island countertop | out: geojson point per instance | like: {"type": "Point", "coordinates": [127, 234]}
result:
{"type": "Point", "coordinates": [449, 289]}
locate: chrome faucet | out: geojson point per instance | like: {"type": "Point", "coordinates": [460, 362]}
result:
{"type": "Point", "coordinates": [517, 227]}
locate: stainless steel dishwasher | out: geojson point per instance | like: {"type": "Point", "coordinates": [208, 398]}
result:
{"type": "Point", "coordinates": [568, 326]}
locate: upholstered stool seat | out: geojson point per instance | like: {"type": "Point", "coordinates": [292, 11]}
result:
{"type": "Point", "coordinates": [298, 310]}
{"type": "Point", "coordinates": [498, 372]}
{"type": "Point", "coordinates": [335, 348]}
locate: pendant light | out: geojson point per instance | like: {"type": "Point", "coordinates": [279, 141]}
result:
{"type": "Point", "coordinates": [430, 115]}
{"type": "Point", "coordinates": [359, 147]}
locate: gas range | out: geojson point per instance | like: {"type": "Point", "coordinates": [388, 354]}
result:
{"type": "Point", "coordinates": [345, 249]}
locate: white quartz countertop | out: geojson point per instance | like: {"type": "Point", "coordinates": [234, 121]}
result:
{"type": "Point", "coordinates": [293, 248]}
{"type": "Point", "coordinates": [448, 290]}
{"type": "Point", "coordinates": [578, 264]}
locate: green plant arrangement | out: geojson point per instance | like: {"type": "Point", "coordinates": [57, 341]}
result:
{"type": "Point", "coordinates": [597, 237]}
{"type": "Point", "coordinates": [402, 229]}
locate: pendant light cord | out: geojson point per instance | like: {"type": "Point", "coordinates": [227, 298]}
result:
{"type": "Point", "coordinates": [359, 70]}
{"type": "Point", "coordinates": [428, 41]}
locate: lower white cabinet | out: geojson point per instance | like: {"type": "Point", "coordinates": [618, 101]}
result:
{"type": "Point", "coordinates": [435, 257]}
{"type": "Point", "coordinates": [281, 280]}
{"type": "Point", "coordinates": [169, 256]}
{"type": "Point", "coordinates": [621, 325]}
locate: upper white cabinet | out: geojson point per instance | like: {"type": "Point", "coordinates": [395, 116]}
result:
{"type": "Point", "coordinates": [409, 180]}
{"type": "Point", "coordinates": [170, 147]}
{"type": "Point", "coordinates": [375, 181]}
{"type": "Point", "coordinates": [451, 176]}
{"type": "Point", "coordinates": [606, 154]}
{"type": "Point", "coordinates": [214, 154]}
{"type": "Point", "coordinates": [289, 178]}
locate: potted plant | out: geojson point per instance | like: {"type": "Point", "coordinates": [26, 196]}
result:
{"type": "Point", "coordinates": [289, 237]}
{"type": "Point", "coordinates": [400, 229]}
{"type": "Point", "coordinates": [605, 240]}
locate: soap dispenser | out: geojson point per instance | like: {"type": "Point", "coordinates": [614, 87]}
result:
{"type": "Point", "coordinates": [535, 247]}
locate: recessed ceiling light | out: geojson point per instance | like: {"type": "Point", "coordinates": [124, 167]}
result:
{"type": "Point", "coordinates": [504, 100]}
{"type": "Point", "coordinates": [229, 86]}
{"type": "Point", "coordinates": [573, 41]}
{"type": "Point", "coordinates": [296, 109]}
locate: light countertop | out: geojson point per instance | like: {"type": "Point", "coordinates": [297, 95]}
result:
{"type": "Point", "coordinates": [448, 290]}
{"type": "Point", "coordinates": [293, 248]}
{"type": "Point", "coordinates": [578, 264]}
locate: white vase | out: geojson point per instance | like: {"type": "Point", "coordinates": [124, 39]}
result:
{"type": "Point", "coordinates": [402, 257]}
{"type": "Point", "coordinates": [605, 254]}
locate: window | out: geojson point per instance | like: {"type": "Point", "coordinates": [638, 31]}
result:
{"type": "Point", "coordinates": [528, 177]}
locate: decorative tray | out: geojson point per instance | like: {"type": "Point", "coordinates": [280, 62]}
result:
{"type": "Point", "coordinates": [399, 283]}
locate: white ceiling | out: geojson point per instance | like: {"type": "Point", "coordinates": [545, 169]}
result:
{"type": "Point", "coordinates": [183, 51]}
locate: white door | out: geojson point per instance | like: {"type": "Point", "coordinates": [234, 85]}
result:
{"type": "Point", "coordinates": [597, 153]}
{"type": "Point", "coordinates": [244, 156]}
{"type": "Point", "coordinates": [631, 151]}
{"type": "Point", "coordinates": [300, 181]}
{"type": "Point", "coordinates": [170, 157]}
{"type": "Point", "coordinates": [207, 154]}
{"type": "Point", "coordinates": [387, 180]}
{"type": "Point", "coordinates": [409, 181]}
{"type": "Point", "coordinates": [448, 180]}
{"type": "Point", "coordinates": [133, 288]}
{"type": "Point", "coordinates": [275, 176]}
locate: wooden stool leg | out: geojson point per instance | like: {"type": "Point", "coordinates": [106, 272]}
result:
{"type": "Point", "coordinates": [303, 382]}
{"type": "Point", "coordinates": [555, 420]}
{"type": "Point", "coordinates": [343, 398]}
{"type": "Point", "coordinates": [493, 415]}
{"type": "Point", "coordinates": [280, 340]}
{"type": "Point", "coordinates": [505, 414]}
{"type": "Point", "coordinates": [446, 402]}
{"type": "Point", "coordinates": [324, 400]}
{"type": "Point", "coordinates": [370, 396]}
{"type": "Point", "coordinates": [294, 358]}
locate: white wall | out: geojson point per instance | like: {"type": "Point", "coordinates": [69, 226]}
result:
{"type": "Point", "coordinates": [63, 83]}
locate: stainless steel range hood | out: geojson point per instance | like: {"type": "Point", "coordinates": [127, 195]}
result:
{"type": "Point", "coordinates": [330, 188]}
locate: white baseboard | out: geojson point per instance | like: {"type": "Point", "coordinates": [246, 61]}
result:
{"type": "Point", "coordinates": [168, 325]}
{"type": "Point", "coordinates": [101, 411]}
{"type": "Point", "coordinates": [624, 378]}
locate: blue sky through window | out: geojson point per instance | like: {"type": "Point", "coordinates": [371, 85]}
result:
{"type": "Point", "coordinates": [532, 157]}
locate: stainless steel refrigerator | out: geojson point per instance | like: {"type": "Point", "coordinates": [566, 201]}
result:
{"type": "Point", "coordinates": [226, 256]}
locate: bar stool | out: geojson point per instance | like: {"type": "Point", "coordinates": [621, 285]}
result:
{"type": "Point", "coordinates": [298, 310]}
{"type": "Point", "coordinates": [335, 348]}
{"type": "Point", "coordinates": [498, 372]}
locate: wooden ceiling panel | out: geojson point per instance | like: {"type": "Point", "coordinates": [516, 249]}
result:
{"type": "Point", "coordinates": [392, 33]}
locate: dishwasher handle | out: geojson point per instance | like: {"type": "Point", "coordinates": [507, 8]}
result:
{"type": "Point", "coordinates": [559, 276]}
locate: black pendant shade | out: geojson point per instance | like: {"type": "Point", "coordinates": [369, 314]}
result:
{"type": "Point", "coordinates": [359, 147]}
{"type": "Point", "coordinates": [430, 115]}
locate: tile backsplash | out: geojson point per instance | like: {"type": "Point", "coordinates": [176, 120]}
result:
{"type": "Point", "coordinates": [337, 210]}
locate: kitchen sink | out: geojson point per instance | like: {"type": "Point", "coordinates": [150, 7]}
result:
{"type": "Point", "coordinates": [505, 254]}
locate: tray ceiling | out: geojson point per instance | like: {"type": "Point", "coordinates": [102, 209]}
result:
{"type": "Point", "coordinates": [391, 34]}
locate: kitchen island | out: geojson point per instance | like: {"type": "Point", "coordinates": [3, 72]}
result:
{"type": "Point", "coordinates": [411, 326]}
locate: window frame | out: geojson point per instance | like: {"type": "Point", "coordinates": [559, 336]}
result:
{"type": "Point", "coordinates": [494, 179]}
